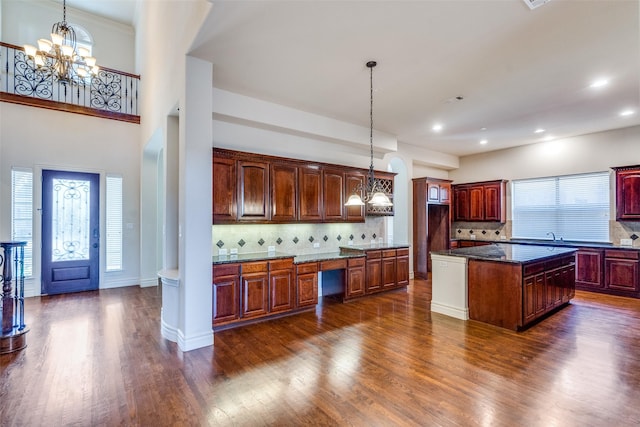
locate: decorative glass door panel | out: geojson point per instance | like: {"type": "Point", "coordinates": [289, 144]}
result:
{"type": "Point", "coordinates": [70, 231]}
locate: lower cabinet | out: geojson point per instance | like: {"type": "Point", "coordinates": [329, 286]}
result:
{"type": "Point", "coordinates": [355, 286]}
{"type": "Point", "coordinates": [402, 267]}
{"type": "Point", "coordinates": [546, 286]}
{"type": "Point", "coordinates": [250, 290]}
{"type": "Point", "coordinates": [374, 271]}
{"type": "Point", "coordinates": [386, 269]}
{"type": "Point", "coordinates": [307, 284]}
{"type": "Point", "coordinates": [589, 269]}
{"type": "Point", "coordinates": [610, 271]}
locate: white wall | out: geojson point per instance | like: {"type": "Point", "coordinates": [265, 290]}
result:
{"type": "Point", "coordinates": [24, 22]}
{"type": "Point", "coordinates": [38, 138]}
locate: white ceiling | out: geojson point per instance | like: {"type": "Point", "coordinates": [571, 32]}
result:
{"type": "Point", "coordinates": [517, 69]}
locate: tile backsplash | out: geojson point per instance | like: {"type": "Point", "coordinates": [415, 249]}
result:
{"type": "Point", "coordinates": [296, 239]}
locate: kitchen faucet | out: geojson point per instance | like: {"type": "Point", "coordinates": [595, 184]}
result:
{"type": "Point", "coordinates": [552, 235]}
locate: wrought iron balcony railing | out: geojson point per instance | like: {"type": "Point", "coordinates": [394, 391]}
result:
{"type": "Point", "coordinates": [111, 94]}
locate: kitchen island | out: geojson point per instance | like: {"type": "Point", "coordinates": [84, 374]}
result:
{"type": "Point", "coordinates": [507, 285]}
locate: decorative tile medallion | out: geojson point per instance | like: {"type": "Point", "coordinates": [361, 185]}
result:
{"type": "Point", "coordinates": [220, 243]}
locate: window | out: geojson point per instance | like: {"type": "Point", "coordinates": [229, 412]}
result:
{"type": "Point", "coordinates": [114, 223]}
{"type": "Point", "coordinates": [22, 213]}
{"type": "Point", "coordinates": [573, 207]}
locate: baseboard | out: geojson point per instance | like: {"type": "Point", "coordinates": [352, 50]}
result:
{"type": "Point", "coordinates": [168, 332]}
{"type": "Point", "coordinates": [204, 339]}
{"type": "Point", "coordinates": [458, 313]}
{"type": "Point", "coordinates": [120, 283]}
{"type": "Point", "coordinates": [146, 283]}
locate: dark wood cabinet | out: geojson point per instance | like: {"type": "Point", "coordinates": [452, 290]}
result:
{"type": "Point", "coordinates": [431, 221]}
{"type": "Point", "coordinates": [284, 191]}
{"type": "Point", "coordinates": [253, 191]}
{"type": "Point", "coordinates": [255, 289]}
{"type": "Point", "coordinates": [224, 190]}
{"type": "Point", "coordinates": [483, 201]}
{"type": "Point", "coordinates": [622, 271]}
{"type": "Point", "coordinates": [355, 286]}
{"type": "Point", "coordinates": [388, 266]}
{"type": "Point", "coordinates": [402, 267]}
{"type": "Point", "coordinates": [589, 269]}
{"type": "Point", "coordinates": [281, 289]}
{"type": "Point", "coordinates": [307, 284]}
{"type": "Point", "coordinates": [352, 181]}
{"type": "Point", "coordinates": [374, 271]}
{"type": "Point", "coordinates": [628, 193]}
{"type": "Point", "coordinates": [333, 195]}
{"type": "Point", "coordinates": [310, 193]}
{"type": "Point", "coordinates": [226, 293]}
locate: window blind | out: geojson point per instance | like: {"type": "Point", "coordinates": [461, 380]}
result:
{"type": "Point", "coordinates": [573, 207]}
{"type": "Point", "coordinates": [114, 223]}
{"type": "Point", "coordinates": [22, 213]}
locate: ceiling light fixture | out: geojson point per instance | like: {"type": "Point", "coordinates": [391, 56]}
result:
{"type": "Point", "coordinates": [60, 57]}
{"type": "Point", "coordinates": [539, 130]}
{"type": "Point", "coordinates": [372, 196]}
{"type": "Point", "coordinates": [483, 141]}
{"type": "Point", "coordinates": [437, 127]}
{"type": "Point", "coordinates": [599, 83]}
{"type": "Point", "coordinates": [627, 113]}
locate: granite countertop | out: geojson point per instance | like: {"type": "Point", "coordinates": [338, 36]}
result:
{"type": "Point", "coordinates": [557, 243]}
{"type": "Point", "coordinates": [509, 252]}
{"type": "Point", "coordinates": [372, 246]}
{"type": "Point", "coordinates": [268, 256]}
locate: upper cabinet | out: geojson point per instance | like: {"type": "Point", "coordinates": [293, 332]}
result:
{"type": "Point", "coordinates": [481, 201]}
{"type": "Point", "coordinates": [264, 189]}
{"type": "Point", "coordinates": [627, 193]}
{"type": "Point", "coordinates": [224, 190]}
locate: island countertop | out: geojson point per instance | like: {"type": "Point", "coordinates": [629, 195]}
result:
{"type": "Point", "coordinates": [509, 252]}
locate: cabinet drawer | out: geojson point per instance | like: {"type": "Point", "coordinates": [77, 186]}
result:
{"type": "Point", "coordinates": [308, 267]}
{"type": "Point", "coordinates": [388, 253]}
{"type": "Point", "coordinates": [402, 252]}
{"type": "Point", "coordinates": [226, 270]}
{"type": "Point", "coordinates": [356, 262]}
{"type": "Point", "coordinates": [337, 264]}
{"type": "Point", "coordinates": [373, 254]}
{"type": "Point", "coordinates": [622, 254]}
{"type": "Point", "coordinates": [281, 264]}
{"type": "Point", "coordinates": [530, 269]}
{"type": "Point", "coordinates": [254, 267]}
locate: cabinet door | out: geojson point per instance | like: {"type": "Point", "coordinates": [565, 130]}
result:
{"type": "Point", "coordinates": [355, 278]}
{"type": "Point", "coordinates": [476, 204]}
{"type": "Point", "coordinates": [333, 195]}
{"type": "Point", "coordinates": [255, 291]}
{"type": "Point", "coordinates": [353, 181]}
{"type": "Point", "coordinates": [628, 194]}
{"type": "Point", "coordinates": [307, 289]}
{"type": "Point", "coordinates": [589, 264]}
{"type": "Point", "coordinates": [492, 202]}
{"type": "Point", "coordinates": [310, 193]}
{"type": "Point", "coordinates": [433, 192]}
{"type": "Point", "coordinates": [224, 190]}
{"type": "Point", "coordinates": [461, 203]}
{"type": "Point", "coordinates": [540, 293]}
{"type": "Point", "coordinates": [253, 191]}
{"type": "Point", "coordinates": [226, 297]}
{"type": "Point", "coordinates": [389, 278]}
{"type": "Point", "coordinates": [284, 182]}
{"type": "Point", "coordinates": [445, 193]}
{"type": "Point", "coordinates": [529, 296]}
{"type": "Point", "coordinates": [621, 274]}
{"type": "Point", "coordinates": [374, 271]}
{"type": "Point", "coordinates": [402, 267]}
{"type": "Point", "coordinates": [281, 288]}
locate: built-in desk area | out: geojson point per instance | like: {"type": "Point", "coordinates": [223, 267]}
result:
{"type": "Point", "coordinates": [257, 286]}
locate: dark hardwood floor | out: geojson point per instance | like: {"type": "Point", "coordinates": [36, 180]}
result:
{"type": "Point", "coordinates": [97, 358]}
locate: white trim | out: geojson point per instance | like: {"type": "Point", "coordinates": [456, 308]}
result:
{"type": "Point", "coordinates": [120, 283]}
{"type": "Point", "coordinates": [451, 311]}
{"type": "Point", "coordinates": [167, 331]}
{"type": "Point", "coordinates": [204, 339]}
{"type": "Point", "coordinates": [147, 283]}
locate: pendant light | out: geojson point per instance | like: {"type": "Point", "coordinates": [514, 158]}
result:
{"type": "Point", "coordinates": [372, 195]}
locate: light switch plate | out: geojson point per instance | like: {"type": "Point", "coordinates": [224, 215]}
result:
{"type": "Point", "coordinates": [271, 249]}
{"type": "Point", "coordinates": [222, 252]}
{"type": "Point", "coordinates": [626, 242]}
{"type": "Point", "coordinates": [233, 251]}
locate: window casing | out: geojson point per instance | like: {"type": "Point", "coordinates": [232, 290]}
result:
{"type": "Point", "coordinates": [573, 207]}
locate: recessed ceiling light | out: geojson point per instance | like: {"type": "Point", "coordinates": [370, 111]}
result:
{"type": "Point", "coordinates": [599, 83]}
{"type": "Point", "coordinates": [437, 127]}
{"type": "Point", "coordinates": [483, 128]}
{"type": "Point", "coordinates": [484, 141]}
{"type": "Point", "coordinates": [627, 113]}
{"type": "Point", "coordinates": [549, 138]}
{"type": "Point", "coordinates": [539, 130]}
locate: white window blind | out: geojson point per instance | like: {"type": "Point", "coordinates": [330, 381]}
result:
{"type": "Point", "coordinates": [114, 223]}
{"type": "Point", "coordinates": [573, 207]}
{"type": "Point", "coordinates": [22, 213]}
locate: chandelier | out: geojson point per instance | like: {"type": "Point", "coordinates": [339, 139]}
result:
{"type": "Point", "coordinates": [60, 57]}
{"type": "Point", "coordinates": [372, 195]}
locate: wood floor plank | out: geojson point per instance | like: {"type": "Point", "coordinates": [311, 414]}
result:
{"type": "Point", "coordinates": [98, 358]}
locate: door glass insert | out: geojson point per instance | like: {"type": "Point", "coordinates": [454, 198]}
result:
{"type": "Point", "coordinates": [70, 219]}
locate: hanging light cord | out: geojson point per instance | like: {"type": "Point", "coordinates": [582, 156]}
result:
{"type": "Point", "coordinates": [371, 185]}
